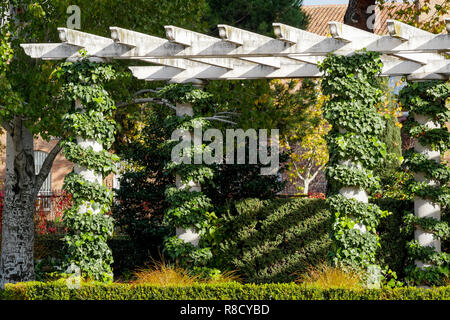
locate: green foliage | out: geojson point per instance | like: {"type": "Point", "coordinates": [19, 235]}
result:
{"type": "Point", "coordinates": [275, 240]}
{"type": "Point", "coordinates": [393, 235]}
{"type": "Point", "coordinates": [101, 162]}
{"type": "Point", "coordinates": [91, 125]}
{"type": "Point", "coordinates": [428, 99]}
{"type": "Point", "coordinates": [342, 176]}
{"type": "Point", "coordinates": [229, 291]}
{"type": "Point", "coordinates": [257, 15]}
{"type": "Point", "coordinates": [353, 95]}
{"type": "Point", "coordinates": [188, 209]}
{"type": "Point", "coordinates": [140, 202]}
{"type": "Point", "coordinates": [88, 222]}
{"type": "Point", "coordinates": [149, 205]}
{"type": "Point", "coordinates": [392, 176]}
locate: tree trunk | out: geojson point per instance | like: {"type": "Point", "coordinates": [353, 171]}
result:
{"type": "Point", "coordinates": [357, 14]}
{"type": "Point", "coordinates": [16, 263]}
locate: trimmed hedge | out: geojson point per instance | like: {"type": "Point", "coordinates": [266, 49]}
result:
{"type": "Point", "coordinates": [230, 291]}
{"type": "Point", "coordinates": [276, 240]}
{"type": "Point", "coordinates": [273, 240]}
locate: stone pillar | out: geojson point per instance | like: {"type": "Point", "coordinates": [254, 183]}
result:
{"type": "Point", "coordinates": [87, 174]}
{"type": "Point", "coordinates": [358, 194]}
{"type": "Point", "coordinates": [187, 235]}
{"type": "Point", "coordinates": [424, 208]}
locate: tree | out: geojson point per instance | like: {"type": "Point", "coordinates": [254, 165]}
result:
{"type": "Point", "coordinates": [423, 14]}
{"type": "Point", "coordinates": [256, 15]}
{"type": "Point", "coordinates": [306, 143]}
{"type": "Point", "coordinates": [29, 107]}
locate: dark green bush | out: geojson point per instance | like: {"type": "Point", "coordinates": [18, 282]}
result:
{"type": "Point", "coordinates": [277, 240]}
{"type": "Point", "coordinates": [230, 291]}
{"type": "Point", "coordinates": [127, 253]}
{"type": "Point", "coordinates": [393, 238]}
{"type": "Point", "coordinates": [268, 241]}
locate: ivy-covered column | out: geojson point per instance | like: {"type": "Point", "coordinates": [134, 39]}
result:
{"type": "Point", "coordinates": [350, 82]}
{"type": "Point", "coordinates": [187, 234]}
{"type": "Point", "coordinates": [189, 213]}
{"type": "Point", "coordinates": [90, 130]}
{"type": "Point", "coordinates": [429, 114]}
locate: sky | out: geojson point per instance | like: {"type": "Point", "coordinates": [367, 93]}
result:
{"type": "Point", "coordinates": [311, 2]}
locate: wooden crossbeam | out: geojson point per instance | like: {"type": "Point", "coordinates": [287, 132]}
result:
{"type": "Point", "coordinates": [239, 54]}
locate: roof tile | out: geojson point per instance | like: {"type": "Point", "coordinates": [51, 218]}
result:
{"type": "Point", "coordinates": [320, 15]}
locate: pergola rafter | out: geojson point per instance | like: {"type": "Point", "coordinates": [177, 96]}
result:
{"type": "Point", "coordinates": [187, 56]}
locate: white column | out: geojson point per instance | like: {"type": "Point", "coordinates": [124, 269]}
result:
{"type": "Point", "coordinates": [89, 175]}
{"type": "Point", "coordinates": [358, 194]}
{"type": "Point", "coordinates": [424, 208]}
{"type": "Point", "coordinates": [187, 235]}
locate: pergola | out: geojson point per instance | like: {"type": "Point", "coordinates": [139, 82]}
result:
{"type": "Point", "coordinates": [191, 57]}
{"type": "Point", "coordinates": [187, 56]}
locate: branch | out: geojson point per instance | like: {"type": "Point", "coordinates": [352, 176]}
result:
{"type": "Point", "coordinates": [145, 91]}
{"type": "Point", "coordinates": [162, 102]}
{"type": "Point", "coordinates": [317, 171]}
{"type": "Point", "coordinates": [232, 113]}
{"type": "Point", "coordinates": [46, 167]}
{"type": "Point", "coordinates": [220, 120]}
{"type": "Point", "coordinates": [7, 126]}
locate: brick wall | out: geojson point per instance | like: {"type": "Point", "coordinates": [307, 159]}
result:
{"type": "Point", "coordinates": [61, 166]}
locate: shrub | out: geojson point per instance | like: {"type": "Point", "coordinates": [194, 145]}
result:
{"type": "Point", "coordinates": [278, 240]}
{"type": "Point", "coordinates": [230, 291]}
{"type": "Point", "coordinates": [393, 237]}
{"type": "Point", "coordinates": [327, 277]}
{"type": "Point", "coordinates": [164, 275]}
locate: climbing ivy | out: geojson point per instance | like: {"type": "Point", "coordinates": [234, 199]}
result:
{"type": "Point", "coordinates": [189, 209]}
{"type": "Point", "coordinates": [353, 91]}
{"type": "Point", "coordinates": [428, 99]}
{"type": "Point", "coordinates": [88, 221]}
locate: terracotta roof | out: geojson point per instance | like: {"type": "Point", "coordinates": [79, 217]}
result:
{"type": "Point", "coordinates": [320, 15]}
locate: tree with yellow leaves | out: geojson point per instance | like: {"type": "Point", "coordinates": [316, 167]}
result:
{"type": "Point", "coordinates": [424, 14]}
{"type": "Point", "coordinates": [306, 142]}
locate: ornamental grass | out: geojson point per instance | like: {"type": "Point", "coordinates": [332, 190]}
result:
{"type": "Point", "coordinates": [164, 274]}
{"type": "Point", "coordinates": [326, 277]}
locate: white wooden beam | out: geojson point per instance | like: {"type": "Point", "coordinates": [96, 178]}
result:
{"type": "Point", "coordinates": [404, 31]}
{"type": "Point", "coordinates": [392, 67]}
{"type": "Point", "coordinates": [50, 51]}
{"type": "Point", "coordinates": [242, 72]}
{"type": "Point", "coordinates": [363, 38]}
{"type": "Point", "coordinates": [295, 36]}
{"type": "Point", "coordinates": [95, 45]}
{"type": "Point", "coordinates": [241, 54]}
{"type": "Point", "coordinates": [142, 43]}
{"type": "Point", "coordinates": [308, 46]}
{"type": "Point", "coordinates": [241, 37]}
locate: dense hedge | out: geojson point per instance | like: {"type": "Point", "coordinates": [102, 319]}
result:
{"type": "Point", "coordinates": [393, 237]}
{"type": "Point", "coordinates": [268, 241]}
{"type": "Point", "coordinates": [276, 240]}
{"type": "Point", "coordinates": [230, 291]}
